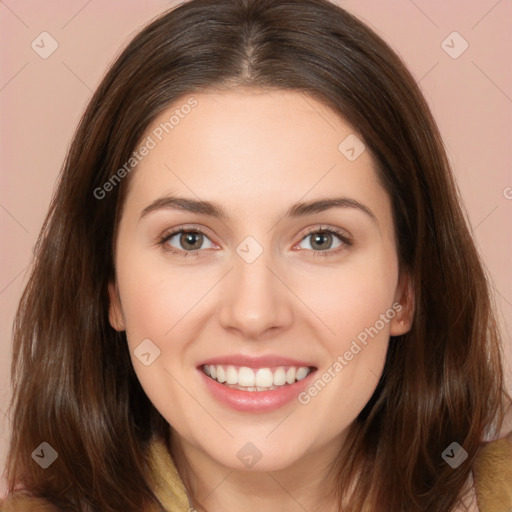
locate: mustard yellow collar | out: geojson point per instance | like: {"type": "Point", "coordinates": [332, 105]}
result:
{"type": "Point", "coordinates": [492, 476]}
{"type": "Point", "coordinates": [168, 485]}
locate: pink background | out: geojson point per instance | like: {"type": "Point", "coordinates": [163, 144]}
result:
{"type": "Point", "coordinates": [41, 101]}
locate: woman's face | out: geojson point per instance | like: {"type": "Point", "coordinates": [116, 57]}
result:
{"type": "Point", "coordinates": [262, 301]}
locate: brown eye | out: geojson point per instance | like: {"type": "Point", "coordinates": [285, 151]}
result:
{"type": "Point", "coordinates": [191, 240]}
{"type": "Point", "coordinates": [185, 241]}
{"type": "Point", "coordinates": [323, 240]}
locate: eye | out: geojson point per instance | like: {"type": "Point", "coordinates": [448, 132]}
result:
{"type": "Point", "coordinates": [322, 241]}
{"type": "Point", "coordinates": [190, 241]}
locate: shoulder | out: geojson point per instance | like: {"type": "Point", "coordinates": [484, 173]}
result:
{"type": "Point", "coordinates": [22, 502]}
{"type": "Point", "coordinates": [492, 473]}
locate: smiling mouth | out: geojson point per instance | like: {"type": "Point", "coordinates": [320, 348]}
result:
{"type": "Point", "coordinates": [256, 379]}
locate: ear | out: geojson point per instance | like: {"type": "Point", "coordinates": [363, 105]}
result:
{"type": "Point", "coordinates": [115, 313]}
{"type": "Point", "coordinates": [402, 321]}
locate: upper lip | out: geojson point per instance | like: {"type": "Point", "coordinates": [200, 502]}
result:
{"type": "Point", "coordinates": [265, 361]}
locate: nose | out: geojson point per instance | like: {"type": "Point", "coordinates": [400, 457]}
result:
{"type": "Point", "coordinates": [256, 303]}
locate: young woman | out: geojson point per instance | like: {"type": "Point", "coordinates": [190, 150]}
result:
{"type": "Point", "coordinates": [255, 288]}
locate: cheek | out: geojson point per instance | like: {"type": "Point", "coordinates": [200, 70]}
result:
{"type": "Point", "coordinates": [356, 303]}
{"type": "Point", "coordinates": [147, 307]}
{"type": "Point", "coordinates": [155, 305]}
{"type": "Point", "coordinates": [154, 298]}
{"type": "Point", "coordinates": [350, 298]}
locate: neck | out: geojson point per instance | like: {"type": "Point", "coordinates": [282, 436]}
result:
{"type": "Point", "coordinates": [309, 484]}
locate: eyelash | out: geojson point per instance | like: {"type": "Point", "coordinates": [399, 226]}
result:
{"type": "Point", "coordinates": [322, 254]}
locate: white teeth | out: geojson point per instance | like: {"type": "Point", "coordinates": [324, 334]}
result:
{"type": "Point", "coordinates": [301, 373]}
{"type": "Point", "coordinates": [279, 377]}
{"type": "Point", "coordinates": [249, 379]}
{"type": "Point", "coordinates": [264, 378]}
{"type": "Point", "coordinates": [221, 374]}
{"type": "Point", "coordinates": [246, 377]}
{"type": "Point", "coordinates": [290, 375]}
{"type": "Point", "coordinates": [231, 375]}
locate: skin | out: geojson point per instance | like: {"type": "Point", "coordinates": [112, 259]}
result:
{"type": "Point", "coordinates": [256, 153]}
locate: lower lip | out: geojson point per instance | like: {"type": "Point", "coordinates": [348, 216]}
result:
{"type": "Point", "coordinates": [255, 401]}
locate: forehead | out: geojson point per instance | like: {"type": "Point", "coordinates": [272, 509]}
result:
{"type": "Point", "coordinates": [260, 148]}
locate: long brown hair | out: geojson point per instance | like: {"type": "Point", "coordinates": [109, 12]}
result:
{"type": "Point", "coordinates": [74, 384]}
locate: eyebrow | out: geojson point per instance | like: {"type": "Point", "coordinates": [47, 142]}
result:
{"type": "Point", "coordinates": [217, 211]}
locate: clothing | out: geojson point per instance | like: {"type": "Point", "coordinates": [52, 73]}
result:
{"type": "Point", "coordinates": [492, 476]}
{"type": "Point", "coordinates": [168, 485]}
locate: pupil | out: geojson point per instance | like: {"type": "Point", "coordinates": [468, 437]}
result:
{"type": "Point", "coordinates": [189, 238]}
{"type": "Point", "coordinates": [320, 236]}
